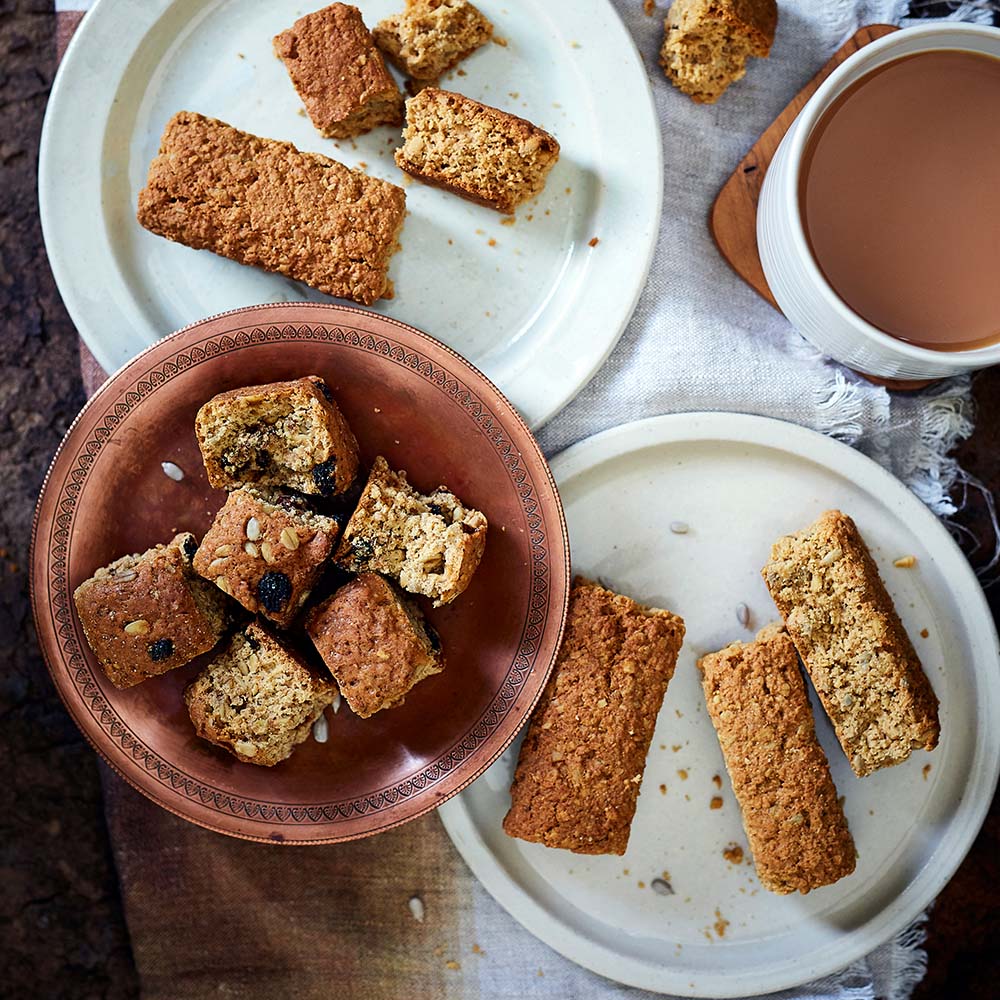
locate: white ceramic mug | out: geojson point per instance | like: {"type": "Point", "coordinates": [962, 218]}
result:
{"type": "Point", "coordinates": [796, 281]}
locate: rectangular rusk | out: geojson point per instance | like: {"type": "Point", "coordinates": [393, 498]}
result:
{"type": "Point", "coordinates": [264, 203]}
{"type": "Point", "coordinates": [473, 150]}
{"type": "Point", "coordinates": [860, 659]}
{"type": "Point", "coordinates": [781, 778]}
{"type": "Point", "coordinates": [581, 764]}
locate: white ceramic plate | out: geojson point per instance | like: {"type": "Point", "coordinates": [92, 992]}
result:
{"type": "Point", "coordinates": [739, 482]}
{"type": "Point", "coordinates": [538, 311]}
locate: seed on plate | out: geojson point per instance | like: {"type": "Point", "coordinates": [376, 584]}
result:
{"type": "Point", "coordinates": [679, 527]}
{"type": "Point", "coordinates": [253, 529]}
{"type": "Point", "coordinates": [743, 615]}
{"type": "Point", "coordinates": [251, 550]}
{"type": "Point", "coordinates": [321, 730]}
{"type": "Point", "coordinates": [335, 704]}
{"type": "Point", "coordinates": [661, 887]}
{"type": "Point", "coordinates": [171, 471]}
{"type": "Point", "coordinates": [140, 627]}
{"type": "Point", "coordinates": [289, 538]}
{"type": "Point", "coordinates": [416, 905]}
{"type": "Point", "coordinates": [224, 550]}
{"type": "Point", "coordinates": [905, 562]}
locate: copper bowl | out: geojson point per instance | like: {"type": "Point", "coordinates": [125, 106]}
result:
{"type": "Point", "coordinates": [428, 411]}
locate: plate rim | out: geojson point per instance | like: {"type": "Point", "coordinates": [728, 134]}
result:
{"type": "Point", "coordinates": [40, 563]}
{"type": "Point", "coordinates": [69, 107]}
{"type": "Point", "coordinates": [814, 447]}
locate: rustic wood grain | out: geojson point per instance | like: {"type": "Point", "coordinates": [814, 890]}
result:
{"type": "Point", "coordinates": [62, 932]}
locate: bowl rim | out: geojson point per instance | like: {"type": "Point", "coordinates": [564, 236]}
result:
{"type": "Point", "coordinates": [40, 560]}
{"type": "Point", "coordinates": [803, 127]}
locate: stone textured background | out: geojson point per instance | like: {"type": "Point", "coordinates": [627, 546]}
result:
{"type": "Point", "coordinates": [62, 930]}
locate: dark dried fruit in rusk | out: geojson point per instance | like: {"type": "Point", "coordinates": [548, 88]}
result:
{"type": "Point", "coordinates": [361, 549]}
{"type": "Point", "coordinates": [274, 590]}
{"type": "Point", "coordinates": [325, 477]}
{"type": "Point", "coordinates": [190, 546]}
{"type": "Point", "coordinates": [293, 504]}
{"type": "Point", "coordinates": [325, 389]}
{"type": "Point", "coordinates": [162, 649]}
{"type": "Point", "coordinates": [435, 639]}
{"type": "Point", "coordinates": [251, 641]}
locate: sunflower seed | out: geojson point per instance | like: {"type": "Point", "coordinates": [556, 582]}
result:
{"type": "Point", "coordinates": [743, 615]}
{"type": "Point", "coordinates": [289, 538]}
{"type": "Point", "coordinates": [679, 527]}
{"type": "Point", "coordinates": [171, 471]}
{"type": "Point", "coordinates": [223, 584]}
{"type": "Point", "coordinates": [140, 627]}
{"type": "Point", "coordinates": [661, 887]}
{"type": "Point", "coordinates": [905, 562]}
{"type": "Point", "coordinates": [321, 731]}
{"type": "Point", "coordinates": [335, 704]}
{"type": "Point", "coordinates": [831, 557]}
{"type": "Point", "coordinates": [253, 529]}
{"type": "Point", "coordinates": [126, 574]}
{"type": "Point", "coordinates": [416, 905]}
{"type": "Point", "coordinates": [251, 550]}
{"type": "Point", "coordinates": [267, 552]}
{"type": "Point", "coordinates": [217, 564]}
{"type": "Point", "coordinates": [224, 550]}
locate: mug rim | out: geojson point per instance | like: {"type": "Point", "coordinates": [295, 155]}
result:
{"type": "Point", "coordinates": [805, 123]}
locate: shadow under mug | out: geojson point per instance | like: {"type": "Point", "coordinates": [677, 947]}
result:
{"type": "Point", "coordinates": [796, 281]}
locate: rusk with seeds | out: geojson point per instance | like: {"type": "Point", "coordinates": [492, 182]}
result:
{"type": "Point", "coordinates": [257, 699]}
{"type": "Point", "coordinates": [430, 37]}
{"type": "Point", "coordinates": [375, 642]}
{"type": "Point", "coordinates": [284, 434]}
{"type": "Point", "coordinates": [860, 659]}
{"type": "Point", "coordinates": [430, 545]}
{"type": "Point", "coordinates": [339, 73]}
{"type": "Point", "coordinates": [148, 613]}
{"type": "Point", "coordinates": [578, 774]}
{"type": "Point", "coordinates": [264, 203]}
{"type": "Point", "coordinates": [266, 550]}
{"type": "Point", "coordinates": [794, 822]}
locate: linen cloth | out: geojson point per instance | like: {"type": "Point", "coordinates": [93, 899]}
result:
{"type": "Point", "coordinates": [210, 916]}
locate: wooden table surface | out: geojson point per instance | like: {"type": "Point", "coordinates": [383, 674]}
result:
{"type": "Point", "coordinates": [62, 931]}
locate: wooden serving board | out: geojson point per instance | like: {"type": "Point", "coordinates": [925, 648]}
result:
{"type": "Point", "coordinates": [733, 220]}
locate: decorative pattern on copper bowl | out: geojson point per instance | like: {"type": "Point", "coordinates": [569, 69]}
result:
{"type": "Point", "coordinates": [429, 412]}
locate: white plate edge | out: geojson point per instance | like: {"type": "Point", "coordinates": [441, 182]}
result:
{"type": "Point", "coordinates": [89, 126]}
{"type": "Point", "coordinates": [819, 449]}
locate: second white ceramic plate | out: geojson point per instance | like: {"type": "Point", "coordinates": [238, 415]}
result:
{"type": "Point", "coordinates": [740, 482]}
{"type": "Point", "coordinates": [531, 304]}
